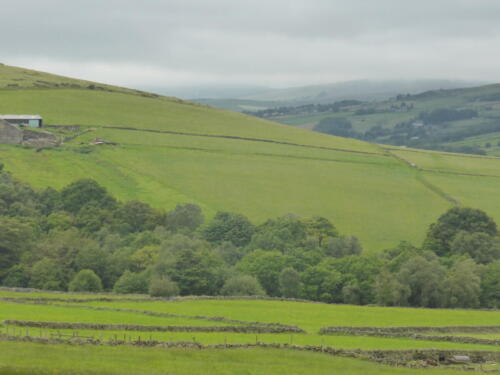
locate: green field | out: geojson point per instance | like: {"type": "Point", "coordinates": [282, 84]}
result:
{"type": "Point", "coordinates": [35, 358]}
{"type": "Point", "coordinates": [263, 170]}
{"type": "Point", "coordinates": [84, 357]}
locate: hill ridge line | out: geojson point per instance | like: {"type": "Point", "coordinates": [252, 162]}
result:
{"type": "Point", "coordinates": [244, 139]}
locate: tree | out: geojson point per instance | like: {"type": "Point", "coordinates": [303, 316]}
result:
{"type": "Point", "coordinates": [96, 259]}
{"type": "Point", "coordinates": [196, 272]}
{"type": "Point", "coordinates": [441, 233]}
{"type": "Point", "coordinates": [339, 126]}
{"type": "Point", "coordinates": [463, 284]}
{"type": "Point", "coordinates": [131, 282]}
{"type": "Point", "coordinates": [230, 253]}
{"type": "Point", "coordinates": [48, 275]}
{"type": "Point", "coordinates": [425, 280]}
{"type": "Point", "coordinates": [15, 239]}
{"type": "Point", "coordinates": [242, 285]}
{"type": "Point", "coordinates": [85, 281]}
{"type": "Point", "coordinates": [144, 257]}
{"type": "Point", "coordinates": [138, 216]}
{"type": "Point", "coordinates": [480, 246]}
{"type": "Point", "coordinates": [360, 273]}
{"type": "Point", "coordinates": [266, 266]}
{"type": "Point", "coordinates": [343, 246]}
{"type": "Point", "coordinates": [389, 291]}
{"type": "Point", "coordinates": [490, 285]}
{"type": "Point", "coordinates": [290, 285]}
{"type": "Point", "coordinates": [283, 234]}
{"type": "Point", "coordinates": [319, 229]}
{"type": "Point", "coordinates": [162, 286]}
{"type": "Point", "coordinates": [229, 227]}
{"type": "Point", "coordinates": [185, 218]}
{"type": "Point", "coordinates": [17, 276]}
{"type": "Point", "coordinates": [321, 283]}
{"type": "Point", "coordinates": [85, 192]}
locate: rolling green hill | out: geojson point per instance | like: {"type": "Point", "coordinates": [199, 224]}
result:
{"type": "Point", "coordinates": [460, 120]}
{"type": "Point", "coordinates": [170, 151]}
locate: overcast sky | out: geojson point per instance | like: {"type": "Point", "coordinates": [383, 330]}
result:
{"type": "Point", "coordinates": [259, 42]}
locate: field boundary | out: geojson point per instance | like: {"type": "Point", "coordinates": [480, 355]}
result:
{"type": "Point", "coordinates": [413, 358]}
{"type": "Point", "coordinates": [418, 333]}
{"type": "Point", "coordinates": [146, 328]}
{"type": "Point", "coordinates": [251, 139]}
{"type": "Point", "coordinates": [156, 313]}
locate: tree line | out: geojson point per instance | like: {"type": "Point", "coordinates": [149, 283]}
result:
{"type": "Point", "coordinates": [81, 238]}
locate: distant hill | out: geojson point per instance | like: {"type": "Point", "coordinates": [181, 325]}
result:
{"type": "Point", "coordinates": [365, 90]}
{"type": "Point", "coordinates": [464, 120]}
{"type": "Point", "coordinates": [166, 151]}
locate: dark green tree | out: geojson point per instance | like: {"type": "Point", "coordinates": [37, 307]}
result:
{"type": "Point", "coordinates": [425, 279]}
{"type": "Point", "coordinates": [85, 192]}
{"type": "Point", "coordinates": [229, 227]}
{"type": "Point", "coordinates": [481, 247]}
{"type": "Point", "coordinates": [266, 266]}
{"type": "Point", "coordinates": [290, 284]}
{"type": "Point", "coordinates": [441, 233]}
{"type": "Point", "coordinates": [490, 285]}
{"type": "Point", "coordinates": [185, 218]}
{"type": "Point", "coordinates": [343, 246]}
{"type": "Point", "coordinates": [463, 284]}
{"type": "Point", "coordinates": [131, 282]}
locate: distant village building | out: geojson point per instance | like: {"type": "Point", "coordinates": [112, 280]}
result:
{"type": "Point", "coordinates": [34, 121]}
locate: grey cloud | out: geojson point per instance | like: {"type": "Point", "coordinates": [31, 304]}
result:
{"type": "Point", "coordinates": [262, 42]}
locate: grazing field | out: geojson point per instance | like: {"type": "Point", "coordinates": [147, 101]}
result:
{"type": "Point", "coordinates": [29, 358]}
{"type": "Point", "coordinates": [28, 344]}
{"type": "Point", "coordinates": [313, 316]}
{"type": "Point", "coordinates": [179, 152]}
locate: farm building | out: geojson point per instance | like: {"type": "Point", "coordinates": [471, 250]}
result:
{"type": "Point", "coordinates": [9, 133]}
{"type": "Point", "coordinates": [34, 121]}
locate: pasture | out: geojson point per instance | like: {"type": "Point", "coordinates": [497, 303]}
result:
{"type": "Point", "coordinates": [28, 346]}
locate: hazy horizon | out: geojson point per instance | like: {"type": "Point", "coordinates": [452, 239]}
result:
{"type": "Point", "coordinates": [183, 43]}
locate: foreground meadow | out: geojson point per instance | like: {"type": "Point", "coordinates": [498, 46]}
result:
{"type": "Point", "coordinates": [27, 358]}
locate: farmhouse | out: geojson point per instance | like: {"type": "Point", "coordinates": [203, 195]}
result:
{"type": "Point", "coordinates": [34, 121]}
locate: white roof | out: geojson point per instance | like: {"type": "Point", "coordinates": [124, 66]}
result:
{"type": "Point", "coordinates": [20, 117]}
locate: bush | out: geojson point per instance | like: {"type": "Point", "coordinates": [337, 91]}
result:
{"type": "Point", "coordinates": [85, 281]}
{"type": "Point", "coordinates": [131, 282]}
{"type": "Point", "coordinates": [242, 285]}
{"type": "Point", "coordinates": [163, 287]}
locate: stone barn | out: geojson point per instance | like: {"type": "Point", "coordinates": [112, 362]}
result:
{"type": "Point", "coordinates": [10, 133]}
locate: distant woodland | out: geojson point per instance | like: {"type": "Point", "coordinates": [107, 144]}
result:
{"type": "Point", "coordinates": [81, 238]}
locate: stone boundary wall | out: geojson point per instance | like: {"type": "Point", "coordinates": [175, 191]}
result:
{"type": "Point", "coordinates": [288, 328]}
{"type": "Point", "coordinates": [419, 333]}
{"type": "Point", "coordinates": [146, 328]}
{"type": "Point", "coordinates": [407, 330]}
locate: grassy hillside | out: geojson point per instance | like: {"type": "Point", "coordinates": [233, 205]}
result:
{"type": "Point", "coordinates": [170, 151]}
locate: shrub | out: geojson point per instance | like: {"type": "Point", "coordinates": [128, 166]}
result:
{"type": "Point", "coordinates": [242, 285]}
{"type": "Point", "coordinates": [85, 281]}
{"type": "Point", "coordinates": [131, 282]}
{"type": "Point", "coordinates": [163, 287]}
